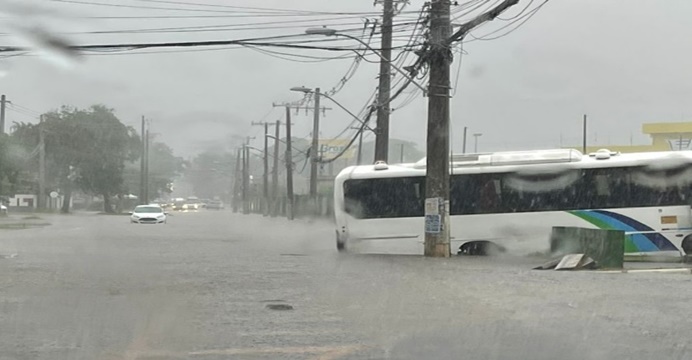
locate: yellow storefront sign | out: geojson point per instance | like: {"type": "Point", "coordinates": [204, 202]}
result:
{"type": "Point", "coordinates": [331, 148]}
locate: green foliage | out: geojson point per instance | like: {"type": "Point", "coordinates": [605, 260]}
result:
{"type": "Point", "coordinates": [211, 174]}
{"type": "Point", "coordinates": [10, 164]}
{"type": "Point", "coordinates": [164, 167]}
{"type": "Point", "coordinates": [104, 146]}
{"type": "Point", "coordinates": [86, 147]}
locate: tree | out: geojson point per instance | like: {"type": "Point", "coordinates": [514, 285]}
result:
{"type": "Point", "coordinates": [87, 147]}
{"type": "Point", "coordinates": [211, 173]}
{"type": "Point", "coordinates": [164, 168]}
{"type": "Point", "coordinates": [106, 144]}
{"type": "Point", "coordinates": [11, 159]}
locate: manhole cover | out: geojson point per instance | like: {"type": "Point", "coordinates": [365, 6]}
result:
{"type": "Point", "coordinates": [281, 307]}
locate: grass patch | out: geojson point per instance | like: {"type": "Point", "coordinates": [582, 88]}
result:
{"type": "Point", "coordinates": [23, 225]}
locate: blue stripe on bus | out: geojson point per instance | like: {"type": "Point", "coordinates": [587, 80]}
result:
{"type": "Point", "coordinates": [658, 240]}
{"type": "Point", "coordinates": [642, 243]}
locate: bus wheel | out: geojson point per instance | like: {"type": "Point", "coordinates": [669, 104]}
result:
{"type": "Point", "coordinates": [687, 245]}
{"type": "Point", "coordinates": [480, 248]}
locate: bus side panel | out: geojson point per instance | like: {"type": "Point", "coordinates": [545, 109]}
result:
{"type": "Point", "coordinates": [524, 233]}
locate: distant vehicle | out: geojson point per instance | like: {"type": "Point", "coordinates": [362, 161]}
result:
{"type": "Point", "coordinates": [515, 198]}
{"type": "Point", "coordinates": [148, 214]}
{"type": "Point", "coordinates": [3, 209]}
{"type": "Point", "coordinates": [162, 203]}
{"type": "Point", "coordinates": [192, 203]}
{"type": "Point", "coordinates": [178, 204]}
{"type": "Point", "coordinates": [215, 205]}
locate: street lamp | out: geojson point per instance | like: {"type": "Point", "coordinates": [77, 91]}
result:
{"type": "Point", "coordinates": [333, 32]}
{"type": "Point", "coordinates": [254, 148]}
{"type": "Point", "coordinates": [475, 141]}
{"type": "Point", "coordinates": [283, 142]}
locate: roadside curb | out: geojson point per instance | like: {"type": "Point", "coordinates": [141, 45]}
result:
{"type": "Point", "coordinates": [640, 271]}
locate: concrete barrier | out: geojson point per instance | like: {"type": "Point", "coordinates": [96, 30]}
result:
{"type": "Point", "coordinates": [607, 247]}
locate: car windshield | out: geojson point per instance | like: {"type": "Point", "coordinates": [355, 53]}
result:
{"type": "Point", "coordinates": [148, 209]}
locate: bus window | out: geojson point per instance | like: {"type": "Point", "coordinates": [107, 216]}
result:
{"type": "Point", "coordinates": [609, 188]}
{"type": "Point", "coordinates": [490, 199]}
{"type": "Point", "coordinates": [383, 198]}
{"type": "Point", "coordinates": [475, 194]}
{"type": "Point", "coordinates": [542, 192]}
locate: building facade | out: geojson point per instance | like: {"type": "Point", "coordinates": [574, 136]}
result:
{"type": "Point", "coordinates": [671, 136]}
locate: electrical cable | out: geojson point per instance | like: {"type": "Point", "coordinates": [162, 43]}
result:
{"type": "Point", "coordinates": [521, 20]}
{"type": "Point", "coordinates": [264, 11]}
{"type": "Point", "coordinates": [13, 104]}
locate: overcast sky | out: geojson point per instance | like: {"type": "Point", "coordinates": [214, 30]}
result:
{"type": "Point", "coordinates": [622, 62]}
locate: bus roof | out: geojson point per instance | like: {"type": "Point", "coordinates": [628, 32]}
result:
{"type": "Point", "coordinates": [516, 161]}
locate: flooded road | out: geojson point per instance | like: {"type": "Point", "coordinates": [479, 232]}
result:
{"type": "Point", "coordinates": [218, 285]}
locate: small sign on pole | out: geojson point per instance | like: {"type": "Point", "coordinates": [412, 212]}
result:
{"type": "Point", "coordinates": [433, 218]}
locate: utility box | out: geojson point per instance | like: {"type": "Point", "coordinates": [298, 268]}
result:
{"type": "Point", "coordinates": [606, 247]}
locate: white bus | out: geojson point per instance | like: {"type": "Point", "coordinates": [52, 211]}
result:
{"type": "Point", "coordinates": [513, 199]}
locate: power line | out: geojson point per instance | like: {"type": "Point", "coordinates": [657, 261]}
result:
{"type": "Point", "coordinates": [13, 104]}
{"type": "Point", "coordinates": [237, 27]}
{"type": "Point", "coordinates": [264, 11]}
{"type": "Point", "coordinates": [518, 14]}
{"type": "Point", "coordinates": [521, 20]}
{"type": "Point", "coordinates": [144, 7]}
{"type": "Point", "coordinates": [135, 46]}
{"type": "Point", "coordinates": [286, 56]}
{"type": "Point", "coordinates": [27, 114]}
{"type": "Point", "coordinates": [247, 7]}
{"type": "Point", "coordinates": [351, 71]}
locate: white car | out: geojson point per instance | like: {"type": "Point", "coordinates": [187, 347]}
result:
{"type": "Point", "coordinates": [3, 209]}
{"type": "Point", "coordinates": [148, 214]}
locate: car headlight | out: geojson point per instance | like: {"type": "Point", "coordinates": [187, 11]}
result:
{"type": "Point", "coordinates": [135, 216]}
{"type": "Point", "coordinates": [161, 216]}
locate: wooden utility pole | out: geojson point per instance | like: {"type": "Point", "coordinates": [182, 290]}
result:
{"type": "Point", "coordinates": [463, 146]}
{"type": "Point", "coordinates": [265, 175]}
{"type": "Point", "coordinates": [246, 161]}
{"type": "Point", "coordinates": [289, 166]}
{"type": "Point", "coordinates": [289, 157]}
{"type": "Point", "coordinates": [437, 178]}
{"type": "Point", "coordinates": [3, 104]}
{"type": "Point", "coordinates": [439, 57]}
{"type": "Point", "coordinates": [146, 168]}
{"type": "Point", "coordinates": [314, 150]}
{"type": "Point", "coordinates": [237, 183]}
{"type": "Point", "coordinates": [246, 175]}
{"type": "Point", "coordinates": [275, 170]}
{"type": "Point", "coordinates": [584, 135]}
{"type": "Point", "coordinates": [360, 147]}
{"type": "Point", "coordinates": [41, 200]}
{"type": "Point", "coordinates": [382, 129]}
{"type": "Point", "coordinates": [142, 166]}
